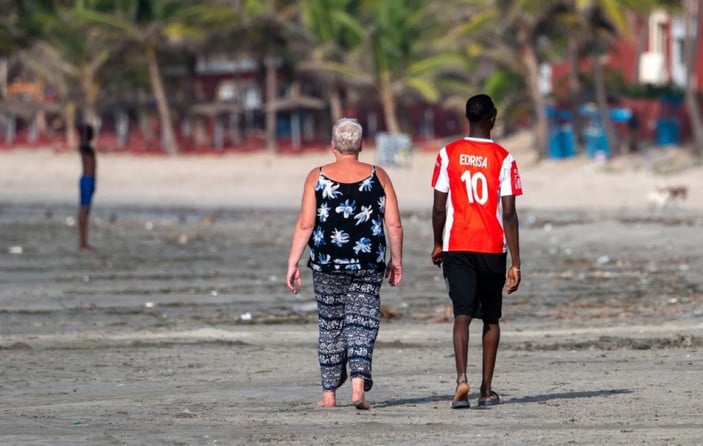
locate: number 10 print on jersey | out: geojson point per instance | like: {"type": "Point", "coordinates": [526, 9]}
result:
{"type": "Point", "coordinates": [485, 171]}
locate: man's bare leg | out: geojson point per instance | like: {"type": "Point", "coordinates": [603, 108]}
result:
{"type": "Point", "coordinates": [461, 345]}
{"type": "Point", "coordinates": [491, 339]}
{"type": "Point", "coordinates": [461, 351]}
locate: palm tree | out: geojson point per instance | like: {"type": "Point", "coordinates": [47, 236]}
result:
{"type": "Point", "coordinates": [514, 35]}
{"type": "Point", "coordinates": [19, 26]}
{"type": "Point", "coordinates": [70, 54]}
{"type": "Point", "coordinates": [13, 33]}
{"type": "Point", "coordinates": [400, 56]}
{"type": "Point", "coordinates": [333, 31]}
{"type": "Point", "coordinates": [152, 25]}
{"type": "Point", "coordinates": [396, 56]}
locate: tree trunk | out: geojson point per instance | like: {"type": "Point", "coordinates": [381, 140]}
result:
{"type": "Point", "coordinates": [388, 103]}
{"type": "Point", "coordinates": [575, 89]}
{"type": "Point", "coordinates": [335, 101]}
{"type": "Point", "coordinates": [603, 109]}
{"type": "Point", "coordinates": [3, 76]}
{"type": "Point", "coordinates": [691, 14]}
{"type": "Point", "coordinates": [167, 133]}
{"type": "Point", "coordinates": [69, 115]}
{"type": "Point", "coordinates": [529, 58]}
{"type": "Point", "coordinates": [271, 65]}
{"type": "Point", "coordinates": [90, 95]}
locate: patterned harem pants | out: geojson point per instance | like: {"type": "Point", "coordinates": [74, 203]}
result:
{"type": "Point", "coordinates": [349, 307]}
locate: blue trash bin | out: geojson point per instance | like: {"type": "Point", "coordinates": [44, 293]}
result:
{"type": "Point", "coordinates": [568, 141]}
{"type": "Point", "coordinates": [562, 143]}
{"type": "Point", "coordinates": [667, 132]}
{"type": "Point", "coordinates": [555, 149]}
{"type": "Point", "coordinates": [596, 142]}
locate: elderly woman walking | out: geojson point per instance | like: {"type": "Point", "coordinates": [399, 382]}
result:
{"type": "Point", "coordinates": [348, 208]}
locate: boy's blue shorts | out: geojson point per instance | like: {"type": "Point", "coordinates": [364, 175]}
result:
{"type": "Point", "coordinates": [87, 186]}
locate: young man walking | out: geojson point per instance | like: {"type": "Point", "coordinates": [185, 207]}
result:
{"type": "Point", "coordinates": [475, 223]}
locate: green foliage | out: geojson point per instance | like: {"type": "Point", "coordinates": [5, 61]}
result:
{"type": "Point", "coordinates": [22, 21]}
{"type": "Point", "coordinates": [503, 83]}
{"type": "Point", "coordinates": [333, 22]}
{"type": "Point", "coordinates": [395, 26]}
{"type": "Point", "coordinates": [439, 51]}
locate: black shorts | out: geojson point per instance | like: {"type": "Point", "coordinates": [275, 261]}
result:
{"type": "Point", "coordinates": [475, 283]}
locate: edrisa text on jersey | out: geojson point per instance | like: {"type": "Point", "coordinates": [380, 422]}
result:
{"type": "Point", "coordinates": [473, 160]}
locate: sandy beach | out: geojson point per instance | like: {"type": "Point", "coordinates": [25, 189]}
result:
{"type": "Point", "coordinates": [177, 328]}
{"type": "Point", "coordinates": [232, 181]}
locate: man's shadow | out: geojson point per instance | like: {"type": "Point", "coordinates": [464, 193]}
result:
{"type": "Point", "coordinates": [507, 400]}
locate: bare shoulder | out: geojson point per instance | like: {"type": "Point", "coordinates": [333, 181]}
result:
{"type": "Point", "coordinates": [314, 172]}
{"type": "Point", "coordinates": [383, 176]}
{"type": "Point", "coordinates": [312, 175]}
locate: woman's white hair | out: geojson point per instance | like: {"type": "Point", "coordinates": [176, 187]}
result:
{"type": "Point", "coordinates": [346, 136]}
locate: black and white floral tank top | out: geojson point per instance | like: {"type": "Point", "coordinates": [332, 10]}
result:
{"type": "Point", "coordinates": [348, 233]}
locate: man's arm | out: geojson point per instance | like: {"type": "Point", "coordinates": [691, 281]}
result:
{"type": "Point", "coordinates": [439, 217]}
{"type": "Point", "coordinates": [512, 236]}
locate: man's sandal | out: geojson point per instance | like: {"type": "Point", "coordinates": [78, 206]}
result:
{"type": "Point", "coordinates": [493, 400]}
{"type": "Point", "coordinates": [461, 396]}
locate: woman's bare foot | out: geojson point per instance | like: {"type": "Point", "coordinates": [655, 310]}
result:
{"type": "Point", "coordinates": [358, 398]}
{"type": "Point", "coordinates": [322, 405]}
{"type": "Point", "coordinates": [329, 399]}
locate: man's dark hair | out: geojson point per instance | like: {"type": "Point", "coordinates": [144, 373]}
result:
{"type": "Point", "coordinates": [85, 132]}
{"type": "Point", "coordinates": [479, 108]}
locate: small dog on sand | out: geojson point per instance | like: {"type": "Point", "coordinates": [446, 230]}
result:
{"type": "Point", "coordinates": [665, 196]}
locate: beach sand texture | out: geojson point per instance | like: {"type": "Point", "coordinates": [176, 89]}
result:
{"type": "Point", "coordinates": [177, 329]}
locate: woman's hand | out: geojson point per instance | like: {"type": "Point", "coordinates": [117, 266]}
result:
{"type": "Point", "coordinates": [394, 273]}
{"type": "Point", "coordinates": [293, 278]}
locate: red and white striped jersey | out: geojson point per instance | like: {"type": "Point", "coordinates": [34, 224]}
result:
{"type": "Point", "coordinates": [475, 173]}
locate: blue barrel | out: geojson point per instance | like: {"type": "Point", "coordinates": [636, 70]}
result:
{"type": "Point", "coordinates": [555, 150]}
{"type": "Point", "coordinates": [568, 141]}
{"type": "Point", "coordinates": [561, 142]}
{"type": "Point", "coordinates": [596, 141]}
{"type": "Point", "coordinates": [667, 132]}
